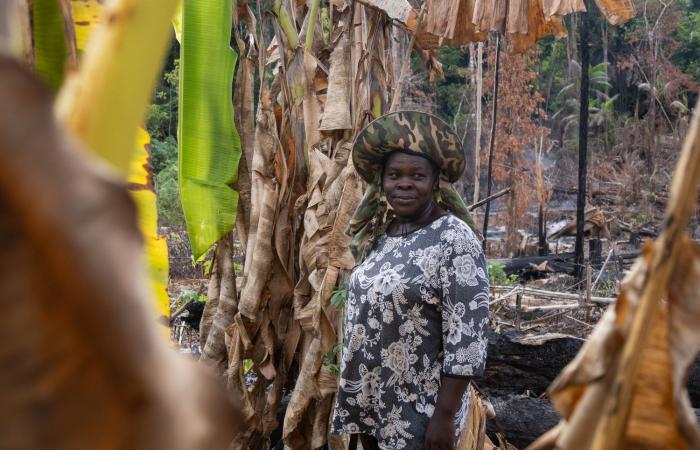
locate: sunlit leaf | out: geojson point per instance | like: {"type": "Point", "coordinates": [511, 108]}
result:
{"type": "Point", "coordinates": [209, 143]}
{"type": "Point", "coordinates": [155, 246]}
{"type": "Point", "coordinates": [104, 103]}
{"type": "Point", "coordinates": [86, 14]}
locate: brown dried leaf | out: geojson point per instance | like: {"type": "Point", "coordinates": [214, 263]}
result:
{"type": "Point", "coordinates": [538, 27]}
{"type": "Point", "coordinates": [214, 351]}
{"type": "Point", "coordinates": [336, 113]}
{"type": "Point", "coordinates": [562, 7]}
{"type": "Point", "coordinates": [616, 11]}
{"type": "Point", "coordinates": [265, 194]}
{"type": "Point", "coordinates": [451, 22]}
{"type": "Point", "coordinates": [400, 10]}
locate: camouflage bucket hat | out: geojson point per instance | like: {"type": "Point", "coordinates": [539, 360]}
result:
{"type": "Point", "coordinates": [412, 132]}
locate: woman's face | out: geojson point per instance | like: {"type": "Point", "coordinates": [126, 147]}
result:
{"type": "Point", "coordinates": [408, 182]}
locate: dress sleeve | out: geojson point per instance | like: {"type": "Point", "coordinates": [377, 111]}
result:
{"type": "Point", "coordinates": [465, 303]}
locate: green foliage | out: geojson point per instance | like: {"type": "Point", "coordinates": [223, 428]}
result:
{"type": "Point", "coordinates": [552, 70]}
{"type": "Point", "coordinates": [332, 358]}
{"type": "Point", "coordinates": [161, 116]}
{"type": "Point", "coordinates": [164, 163]}
{"type": "Point", "coordinates": [455, 62]}
{"type": "Point", "coordinates": [191, 296]}
{"type": "Point", "coordinates": [163, 154]}
{"type": "Point", "coordinates": [49, 43]}
{"type": "Point", "coordinates": [607, 287]}
{"type": "Point", "coordinates": [600, 104]}
{"type": "Point", "coordinates": [498, 276]}
{"type": "Point", "coordinates": [687, 57]}
{"type": "Point", "coordinates": [168, 198]}
{"type": "Point", "coordinates": [339, 295]}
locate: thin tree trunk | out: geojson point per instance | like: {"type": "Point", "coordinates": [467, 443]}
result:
{"type": "Point", "coordinates": [494, 111]}
{"type": "Point", "coordinates": [477, 142]}
{"type": "Point", "coordinates": [582, 146]}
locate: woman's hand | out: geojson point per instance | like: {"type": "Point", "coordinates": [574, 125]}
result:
{"type": "Point", "coordinates": [440, 434]}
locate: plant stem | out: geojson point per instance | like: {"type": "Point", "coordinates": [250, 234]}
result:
{"type": "Point", "coordinates": [311, 25]}
{"type": "Point", "coordinates": [286, 24]}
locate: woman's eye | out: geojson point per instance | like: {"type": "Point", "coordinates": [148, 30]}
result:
{"type": "Point", "coordinates": [418, 176]}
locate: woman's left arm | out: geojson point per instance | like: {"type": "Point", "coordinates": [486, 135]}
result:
{"type": "Point", "coordinates": [465, 318]}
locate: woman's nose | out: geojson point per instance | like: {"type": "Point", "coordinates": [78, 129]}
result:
{"type": "Point", "coordinates": [404, 183]}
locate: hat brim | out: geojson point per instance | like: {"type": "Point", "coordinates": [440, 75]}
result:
{"type": "Point", "coordinates": [411, 132]}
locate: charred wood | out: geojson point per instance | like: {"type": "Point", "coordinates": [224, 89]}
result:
{"type": "Point", "coordinates": [557, 263]}
{"type": "Point", "coordinates": [522, 419]}
{"type": "Point", "coordinates": [519, 364]}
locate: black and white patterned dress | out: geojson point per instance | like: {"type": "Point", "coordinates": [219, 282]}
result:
{"type": "Point", "coordinates": [416, 308]}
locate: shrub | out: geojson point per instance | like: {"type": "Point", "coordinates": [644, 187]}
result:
{"type": "Point", "coordinates": [498, 276]}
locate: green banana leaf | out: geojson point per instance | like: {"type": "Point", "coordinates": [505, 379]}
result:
{"type": "Point", "coordinates": [210, 146]}
{"type": "Point", "coordinates": [50, 50]}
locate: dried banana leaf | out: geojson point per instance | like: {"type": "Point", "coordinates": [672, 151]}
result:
{"type": "Point", "coordinates": [538, 27]}
{"type": "Point", "coordinates": [451, 21]}
{"type": "Point", "coordinates": [336, 113]}
{"type": "Point", "coordinates": [400, 10]}
{"type": "Point", "coordinates": [616, 11]}
{"type": "Point", "coordinates": [562, 7]}
{"type": "Point", "coordinates": [214, 351]}
{"type": "Point", "coordinates": [490, 15]}
{"type": "Point", "coordinates": [264, 195]}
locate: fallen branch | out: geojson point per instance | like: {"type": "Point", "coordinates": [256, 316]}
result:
{"type": "Point", "coordinates": [553, 295]}
{"type": "Point", "coordinates": [489, 199]}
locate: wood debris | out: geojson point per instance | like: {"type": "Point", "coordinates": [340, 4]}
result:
{"type": "Point", "coordinates": [595, 223]}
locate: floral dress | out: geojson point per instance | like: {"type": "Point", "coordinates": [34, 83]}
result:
{"type": "Point", "coordinates": [417, 308]}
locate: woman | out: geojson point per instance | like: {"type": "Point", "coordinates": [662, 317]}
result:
{"type": "Point", "coordinates": [417, 305]}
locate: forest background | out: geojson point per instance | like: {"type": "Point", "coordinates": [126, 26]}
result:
{"type": "Point", "coordinates": [644, 77]}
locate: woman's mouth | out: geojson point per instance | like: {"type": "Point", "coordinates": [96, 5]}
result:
{"type": "Point", "coordinates": [403, 200]}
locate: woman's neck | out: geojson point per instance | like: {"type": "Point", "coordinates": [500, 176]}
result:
{"type": "Point", "coordinates": [402, 225]}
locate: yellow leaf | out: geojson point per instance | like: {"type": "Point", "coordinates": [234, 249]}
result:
{"type": "Point", "coordinates": [87, 17]}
